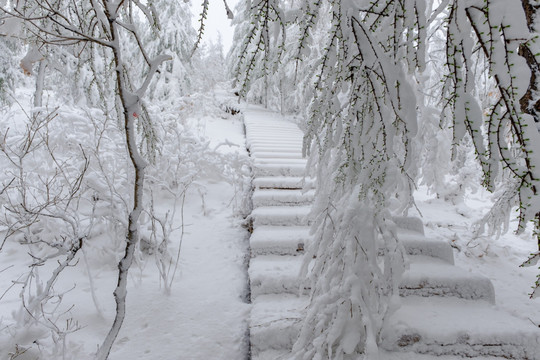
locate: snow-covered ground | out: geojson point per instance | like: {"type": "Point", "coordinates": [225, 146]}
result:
{"type": "Point", "coordinates": [205, 315]}
{"type": "Point", "coordinates": [498, 258]}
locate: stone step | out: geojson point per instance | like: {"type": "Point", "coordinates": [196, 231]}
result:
{"type": "Point", "coordinates": [277, 155]}
{"type": "Point", "coordinates": [276, 321]}
{"type": "Point", "coordinates": [282, 182]}
{"type": "Point", "coordinates": [274, 150]}
{"type": "Point", "coordinates": [274, 131]}
{"type": "Point", "coordinates": [280, 215]}
{"type": "Point", "coordinates": [275, 274]}
{"type": "Point", "coordinates": [428, 276]}
{"type": "Point", "coordinates": [427, 326]}
{"type": "Point", "coordinates": [259, 161]}
{"type": "Point", "coordinates": [273, 139]}
{"type": "Point", "coordinates": [269, 137]}
{"type": "Point", "coordinates": [294, 154]}
{"type": "Point", "coordinates": [275, 144]}
{"type": "Point", "coordinates": [285, 129]}
{"type": "Point", "coordinates": [279, 240]}
{"type": "Point", "coordinates": [271, 126]}
{"type": "Point", "coordinates": [272, 355]}
{"type": "Point", "coordinates": [279, 170]}
{"type": "Point", "coordinates": [410, 223]}
{"type": "Point", "coordinates": [273, 197]}
{"type": "Point", "coordinates": [409, 355]}
{"type": "Point", "coordinates": [449, 326]}
{"type": "Point", "coordinates": [416, 243]}
{"type": "Point", "coordinates": [271, 147]}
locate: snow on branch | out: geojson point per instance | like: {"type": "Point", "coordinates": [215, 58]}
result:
{"type": "Point", "coordinates": [499, 28]}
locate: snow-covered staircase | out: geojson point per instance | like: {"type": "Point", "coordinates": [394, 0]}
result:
{"type": "Point", "coordinates": [280, 232]}
{"type": "Point", "coordinates": [445, 310]}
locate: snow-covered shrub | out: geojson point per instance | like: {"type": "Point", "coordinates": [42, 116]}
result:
{"type": "Point", "coordinates": [8, 74]}
{"type": "Point", "coordinates": [44, 200]}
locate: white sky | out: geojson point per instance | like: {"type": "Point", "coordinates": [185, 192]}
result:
{"type": "Point", "coordinates": [217, 21]}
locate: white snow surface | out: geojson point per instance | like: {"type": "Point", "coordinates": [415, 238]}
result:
{"type": "Point", "coordinates": [498, 259]}
{"type": "Point", "coordinates": [205, 316]}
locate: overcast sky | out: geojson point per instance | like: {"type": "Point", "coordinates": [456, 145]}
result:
{"type": "Point", "coordinates": [217, 21]}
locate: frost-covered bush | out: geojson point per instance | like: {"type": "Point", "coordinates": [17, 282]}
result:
{"type": "Point", "coordinates": [47, 212]}
{"type": "Point", "coordinates": [65, 191]}
{"type": "Point", "coordinates": [78, 156]}
{"type": "Point", "coordinates": [8, 72]}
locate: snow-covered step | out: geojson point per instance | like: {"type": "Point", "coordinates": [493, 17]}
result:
{"type": "Point", "coordinates": [280, 215]}
{"type": "Point", "coordinates": [449, 326]}
{"type": "Point", "coordinates": [409, 223]}
{"type": "Point", "coordinates": [272, 138]}
{"type": "Point", "coordinates": [256, 149]}
{"type": "Point", "coordinates": [277, 144]}
{"type": "Point", "coordinates": [277, 155]}
{"type": "Point", "coordinates": [295, 153]}
{"type": "Point", "coordinates": [260, 161]}
{"type": "Point", "coordinates": [275, 274]}
{"type": "Point", "coordinates": [271, 147]}
{"type": "Point", "coordinates": [292, 154]}
{"type": "Point", "coordinates": [265, 135]}
{"type": "Point", "coordinates": [428, 276]}
{"type": "Point", "coordinates": [274, 128]}
{"type": "Point", "coordinates": [279, 240]}
{"type": "Point", "coordinates": [272, 197]}
{"type": "Point", "coordinates": [275, 141]}
{"type": "Point", "coordinates": [276, 321]}
{"type": "Point", "coordinates": [273, 124]}
{"type": "Point", "coordinates": [417, 244]}
{"type": "Point", "coordinates": [272, 354]}
{"type": "Point", "coordinates": [280, 170]}
{"type": "Point", "coordinates": [282, 182]}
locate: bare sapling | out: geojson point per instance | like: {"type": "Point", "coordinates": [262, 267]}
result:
{"type": "Point", "coordinates": [110, 25]}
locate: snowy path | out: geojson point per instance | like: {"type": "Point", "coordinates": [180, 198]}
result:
{"type": "Point", "coordinates": [280, 231]}
{"type": "Point", "coordinates": [445, 311]}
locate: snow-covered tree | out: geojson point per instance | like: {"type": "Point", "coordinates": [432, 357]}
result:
{"type": "Point", "coordinates": [258, 48]}
{"type": "Point", "coordinates": [104, 26]}
{"type": "Point", "coordinates": [8, 74]}
{"type": "Point", "coordinates": [375, 98]}
{"type": "Point", "coordinates": [210, 57]}
{"type": "Point", "coordinates": [174, 35]}
{"type": "Point", "coordinates": [360, 129]}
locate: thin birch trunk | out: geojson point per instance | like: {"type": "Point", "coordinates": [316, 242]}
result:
{"type": "Point", "coordinates": [132, 236]}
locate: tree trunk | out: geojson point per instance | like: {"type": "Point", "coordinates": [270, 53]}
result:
{"type": "Point", "coordinates": [132, 236]}
{"type": "Point", "coordinates": [40, 83]}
